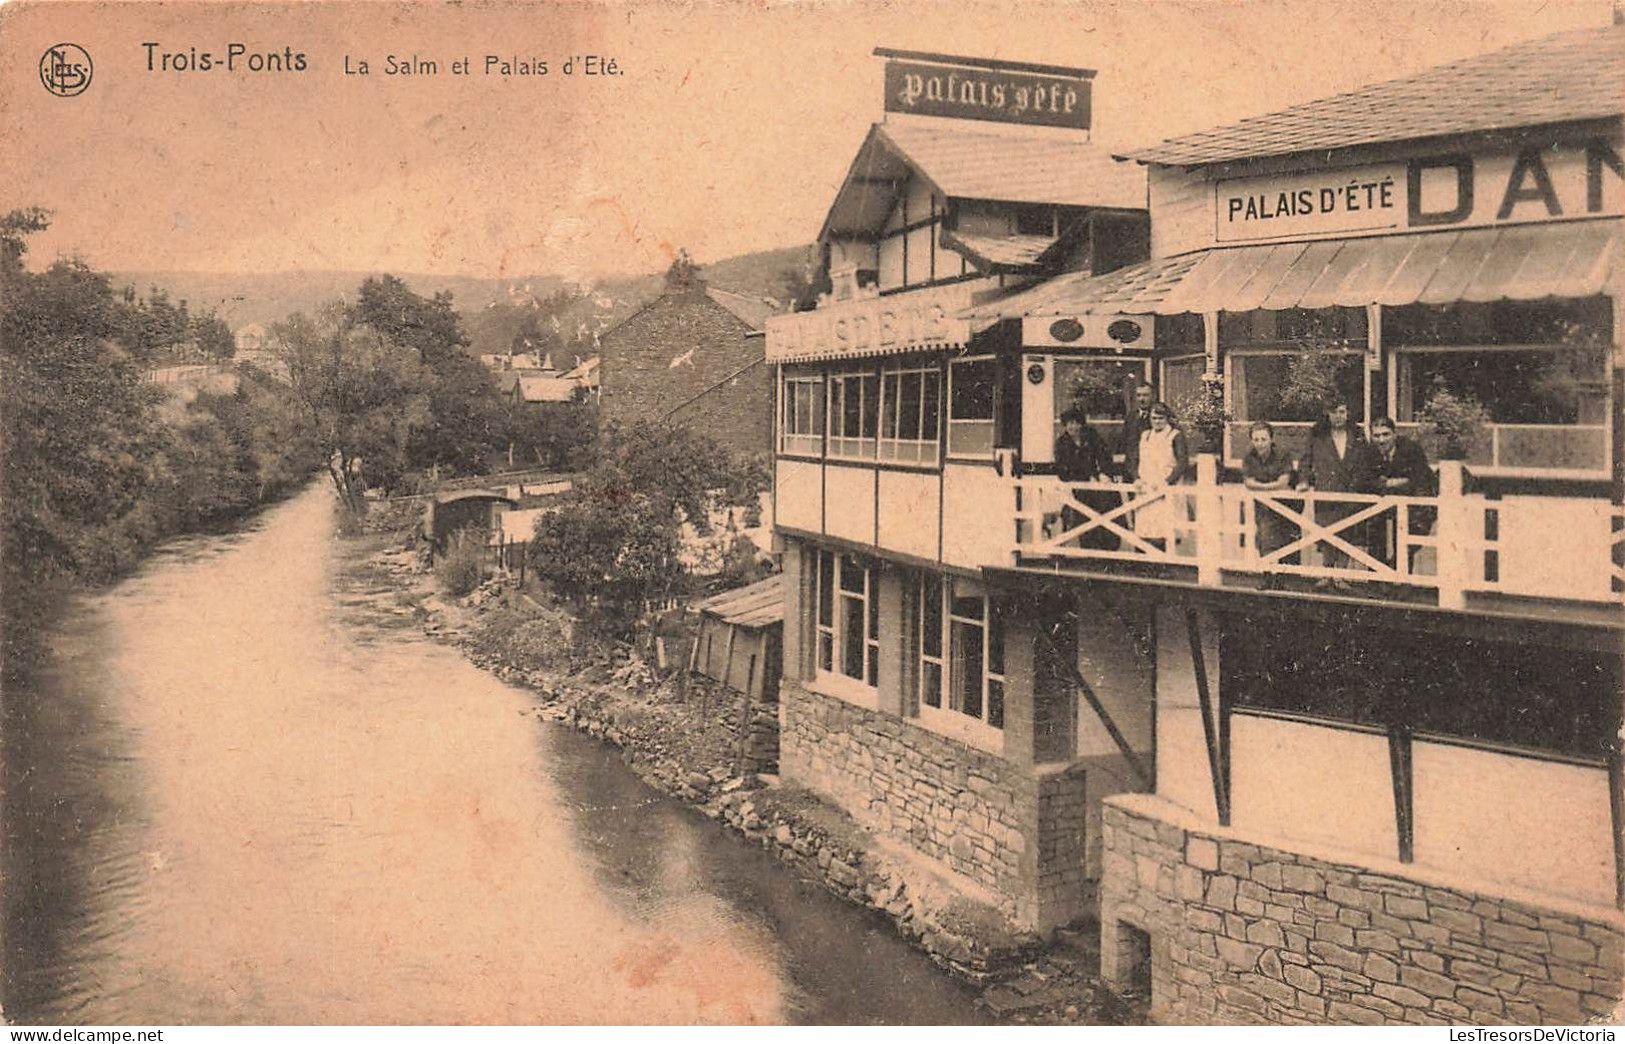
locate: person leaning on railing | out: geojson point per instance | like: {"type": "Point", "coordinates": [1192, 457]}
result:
{"type": "Point", "coordinates": [1266, 469]}
{"type": "Point", "coordinates": [1080, 456]}
{"type": "Point", "coordinates": [1164, 461]}
{"type": "Point", "coordinates": [1334, 465]}
{"type": "Point", "coordinates": [1397, 466]}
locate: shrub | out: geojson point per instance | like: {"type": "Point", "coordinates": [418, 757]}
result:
{"type": "Point", "coordinates": [1452, 424]}
{"type": "Point", "coordinates": [462, 567]}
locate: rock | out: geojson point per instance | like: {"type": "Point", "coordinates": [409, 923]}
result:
{"type": "Point", "coordinates": [783, 835]}
{"type": "Point", "coordinates": [699, 781]}
{"type": "Point", "coordinates": [733, 785]}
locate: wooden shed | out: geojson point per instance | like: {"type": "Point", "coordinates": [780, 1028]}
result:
{"type": "Point", "coordinates": [740, 636]}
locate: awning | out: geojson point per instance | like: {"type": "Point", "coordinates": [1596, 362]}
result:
{"type": "Point", "coordinates": [1515, 263]}
{"type": "Point", "coordinates": [1012, 253]}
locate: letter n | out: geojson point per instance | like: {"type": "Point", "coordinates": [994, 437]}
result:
{"type": "Point", "coordinates": [1416, 216]}
{"type": "Point", "coordinates": [1598, 155]}
{"type": "Point", "coordinates": [1529, 163]}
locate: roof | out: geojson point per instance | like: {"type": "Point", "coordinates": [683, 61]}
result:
{"type": "Point", "coordinates": [758, 605]}
{"type": "Point", "coordinates": [1511, 263]}
{"type": "Point", "coordinates": [974, 164]}
{"type": "Point", "coordinates": [1571, 76]}
{"type": "Point", "coordinates": [547, 388]}
{"type": "Point", "coordinates": [752, 311]}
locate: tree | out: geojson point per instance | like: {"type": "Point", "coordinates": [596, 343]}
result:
{"type": "Point", "coordinates": [467, 421]}
{"type": "Point", "coordinates": [558, 435]}
{"type": "Point", "coordinates": [361, 395]}
{"type": "Point", "coordinates": [615, 543]}
{"type": "Point", "coordinates": [213, 337]}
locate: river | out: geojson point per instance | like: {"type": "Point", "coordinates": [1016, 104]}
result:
{"type": "Point", "coordinates": [243, 791]}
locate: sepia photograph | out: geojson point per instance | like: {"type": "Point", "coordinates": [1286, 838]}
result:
{"type": "Point", "coordinates": [827, 513]}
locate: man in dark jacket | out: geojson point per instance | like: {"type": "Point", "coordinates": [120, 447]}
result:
{"type": "Point", "coordinates": [1398, 466]}
{"type": "Point", "coordinates": [1137, 421]}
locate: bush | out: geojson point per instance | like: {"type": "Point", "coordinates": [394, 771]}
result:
{"type": "Point", "coordinates": [462, 567]}
{"type": "Point", "coordinates": [1453, 425]}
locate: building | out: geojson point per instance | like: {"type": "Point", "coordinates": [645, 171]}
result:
{"type": "Point", "coordinates": [692, 356]}
{"type": "Point", "coordinates": [1399, 802]}
{"type": "Point", "coordinates": [909, 683]}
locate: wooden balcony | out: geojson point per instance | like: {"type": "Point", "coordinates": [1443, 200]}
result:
{"type": "Point", "coordinates": [1443, 550]}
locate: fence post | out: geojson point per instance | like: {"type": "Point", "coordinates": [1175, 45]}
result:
{"type": "Point", "coordinates": [1209, 520]}
{"type": "Point", "coordinates": [1453, 539]}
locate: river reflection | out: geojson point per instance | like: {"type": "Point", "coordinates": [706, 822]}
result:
{"type": "Point", "coordinates": [244, 792]}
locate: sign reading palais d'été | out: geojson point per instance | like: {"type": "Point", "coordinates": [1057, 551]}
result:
{"type": "Point", "coordinates": [1555, 183]}
{"type": "Point", "coordinates": [971, 92]}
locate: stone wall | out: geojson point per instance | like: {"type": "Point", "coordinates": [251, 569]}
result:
{"type": "Point", "coordinates": [1245, 933]}
{"type": "Point", "coordinates": [682, 355]}
{"type": "Point", "coordinates": [970, 811]}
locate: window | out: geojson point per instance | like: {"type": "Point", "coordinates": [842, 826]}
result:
{"type": "Point", "coordinates": [1103, 387]}
{"type": "Point", "coordinates": [854, 407]}
{"type": "Point", "coordinates": [847, 621]}
{"type": "Point", "coordinates": [972, 686]}
{"type": "Point", "coordinates": [1529, 696]}
{"type": "Point", "coordinates": [801, 425]}
{"type": "Point", "coordinates": [1540, 368]}
{"type": "Point", "coordinates": [908, 415]}
{"type": "Point", "coordinates": [970, 407]}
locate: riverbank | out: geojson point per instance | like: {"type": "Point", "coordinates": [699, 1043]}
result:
{"type": "Point", "coordinates": [684, 740]}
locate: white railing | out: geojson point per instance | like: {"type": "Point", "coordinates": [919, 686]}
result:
{"type": "Point", "coordinates": [1452, 544]}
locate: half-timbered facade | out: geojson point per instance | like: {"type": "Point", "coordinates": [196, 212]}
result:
{"type": "Point", "coordinates": [1385, 741]}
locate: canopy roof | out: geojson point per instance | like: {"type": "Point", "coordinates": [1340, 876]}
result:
{"type": "Point", "coordinates": [1515, 263]}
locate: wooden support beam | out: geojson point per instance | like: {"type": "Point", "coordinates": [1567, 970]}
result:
{"type": "Point", "coordinates": [1215, 762]}
{"type": "Point", "coordinates": [1123, 747]}
{"type": "Point", "coordinates": [1616, 808]}
{"type": "Point", "coordinates": [1399, 763]}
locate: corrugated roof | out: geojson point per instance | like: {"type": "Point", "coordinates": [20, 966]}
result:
{"type": "Point", "coordinates": [756, 605]}
{"type": "Point", "coordinates": [1512, 263]}
{"type": "Point", "coordinates": [1000, 252]}
{"type": "Point", "coordinates": [1575, 75]}
{"type": "Point", "coordinates": [751, 311]}
{"type": "Point", "coordinates": [969, 164]}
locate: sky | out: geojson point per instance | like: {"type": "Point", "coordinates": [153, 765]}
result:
{"type": "Point", "coordinates": [728, 128]}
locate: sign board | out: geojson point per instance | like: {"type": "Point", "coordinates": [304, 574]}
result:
{"type": "Point", "coordinates": [1112, 330]}
{"type": "Point", "coordinates": [914, 320]}
{"type": "Point", "coordinates": [1000, 95]}
{"type": "Point", "coordinates": [1452, 190]}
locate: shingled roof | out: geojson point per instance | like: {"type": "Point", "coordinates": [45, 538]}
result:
{"type": "Point", "coordinates": [1571, 76]}
{"type": "Point", "coordinates": [1005, 167]}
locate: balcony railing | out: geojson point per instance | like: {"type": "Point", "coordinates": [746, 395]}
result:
{"type": "Point", "coordinates": [1451, 545]}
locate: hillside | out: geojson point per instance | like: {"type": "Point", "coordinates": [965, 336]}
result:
{"type": "Point", "coordinates": [265, 297]}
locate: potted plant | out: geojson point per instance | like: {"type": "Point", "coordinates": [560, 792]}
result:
{"type": "Point", "coordinates": [1453, 424]}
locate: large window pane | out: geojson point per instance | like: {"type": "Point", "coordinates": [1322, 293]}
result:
{"type": "Point", "coordinates": [967, 668]}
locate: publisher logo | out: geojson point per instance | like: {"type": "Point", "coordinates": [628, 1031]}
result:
{"type": "Point", "coordinates": [65, 70]}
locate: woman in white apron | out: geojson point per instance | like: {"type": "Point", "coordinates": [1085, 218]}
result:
{"type": "Point", "coordinates": [1164, 461]}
